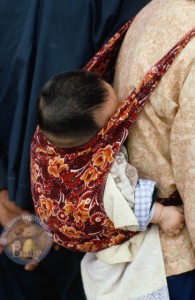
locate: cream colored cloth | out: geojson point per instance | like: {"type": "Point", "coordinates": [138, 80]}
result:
{"type": "Point", "coordinates": [162, 142]}
{"type": "Point", "coordinates": [119, 194]}
{"type": "Point", "coordinates": [119, 271]}
{"type": "Point", "coordinates": [117, 208]}
{"type": "Point", "coordinates": [125, 176]}
{"type": "Point", "coordinates": [142, 279]}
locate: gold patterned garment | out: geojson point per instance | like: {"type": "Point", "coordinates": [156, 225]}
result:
{"type": "Point", "coordinates": [162, 141]}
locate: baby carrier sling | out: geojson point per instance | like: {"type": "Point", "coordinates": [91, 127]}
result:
{"type": "Point", "coordinates": [68, 184]}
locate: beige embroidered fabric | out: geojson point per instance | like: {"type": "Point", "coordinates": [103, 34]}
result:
{"type": "Point", "coordinates": [162, 142]}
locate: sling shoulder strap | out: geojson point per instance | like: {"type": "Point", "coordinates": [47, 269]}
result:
{"type": "Point", "coordinates": [103, 64]}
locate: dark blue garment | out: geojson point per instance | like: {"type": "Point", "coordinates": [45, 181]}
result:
{"type": "Point", "coordinates": [182, 286]}
{"type": "Point", "coordinates": [38, 39]}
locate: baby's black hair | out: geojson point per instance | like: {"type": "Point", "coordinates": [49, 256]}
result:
{"type": "Point", "coordinates": [67, 101]}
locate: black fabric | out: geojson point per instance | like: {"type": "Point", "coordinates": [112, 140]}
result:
{"type": "Point", "coordinates": [182, 286]}
{"type": "Point", "coordinates": [40, 38]}
{"type": "Point", "coordinates": [56, 278]}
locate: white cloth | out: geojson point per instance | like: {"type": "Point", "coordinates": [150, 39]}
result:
{"type": "Point", "coordinates": [142, 279]}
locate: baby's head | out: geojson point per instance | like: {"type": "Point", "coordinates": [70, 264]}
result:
{"type": "Point", "coordinates": [74, 106]}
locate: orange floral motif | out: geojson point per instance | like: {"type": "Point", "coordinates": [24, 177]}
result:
{"type": "Point", "coordinates": [68, 208]}
{"type": "Point", "coordinates": [109, 124]}
{"type": "Point", "coordinates": [108, 223]}
{"type": "Point", "coordinates": [46, 208]}
{"type": "Point", "coordinates": [87, 247]}
{"type": "Point", "coordinates": [70, 232]}
{"type": "Point", "coordinates": [89, 175]}
{"type": "Point", "coordinates": [117, 239]}
{"type": "Point", "coordinates": [56, 166]}
{"type": "Point", "coordinates": [34, 172]}
{"type": "Point", "coordinates": [80, 212]}
{"type": "Point", "coordinates": [103, 157]}
{"type": "Point", "coordinates": [48, 150]}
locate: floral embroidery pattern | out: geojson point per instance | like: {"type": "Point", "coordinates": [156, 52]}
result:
{"type": "Point", "coordinates": [70, 232]}
{"type": "Point", "coordinates": [56, 166]}
{"type": "Point", "coordinates": [46, 208]}
{"type": "Point", "coordinates": [68, 184]}
{"type": "Point", "coordinates": [34, 172]}
{"type": "Point", "coordinates": [90, 174]}
{"type": "Point", "coordinates": [80, 211]}
{"type": "Point", "coordinates": [103, 157]}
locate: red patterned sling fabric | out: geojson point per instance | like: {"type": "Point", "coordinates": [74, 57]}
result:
{"type": "Point", "coordinates": [68, 184]}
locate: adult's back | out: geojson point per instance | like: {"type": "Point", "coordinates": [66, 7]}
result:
{"type": "Point", "coordinates": [162, 142]}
